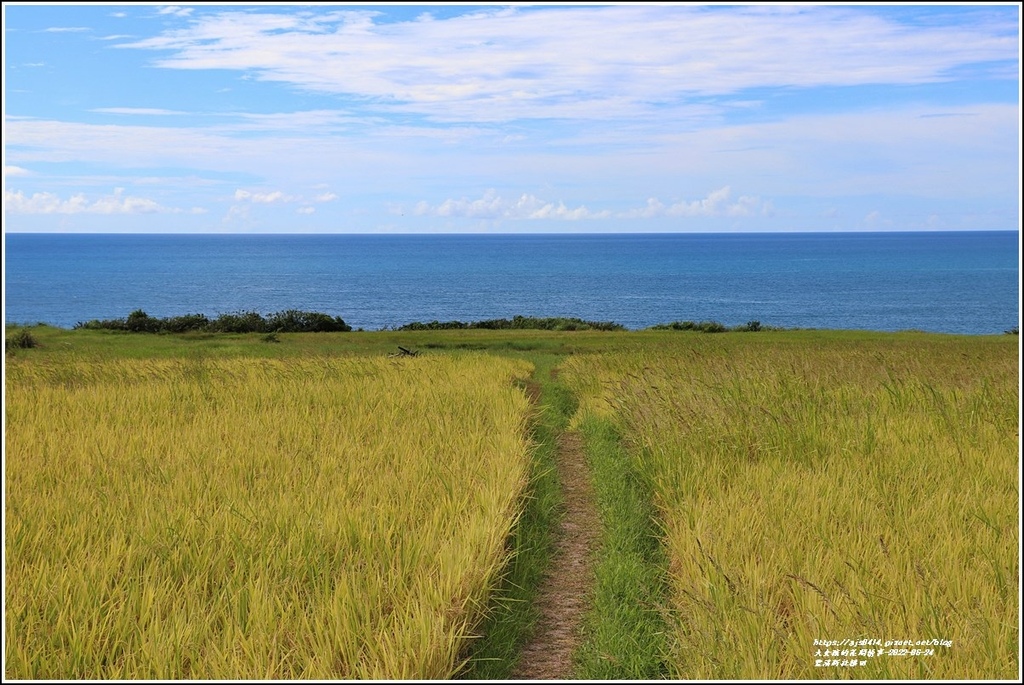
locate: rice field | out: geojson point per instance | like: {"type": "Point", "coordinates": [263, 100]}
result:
{"type": "Point", "coordinates": [832, 507]}
{"type": "Point", "coordinates": [224, 518]}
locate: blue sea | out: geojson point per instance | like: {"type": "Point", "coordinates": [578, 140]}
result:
{"type": "Point", "coordinates": [948, 282]}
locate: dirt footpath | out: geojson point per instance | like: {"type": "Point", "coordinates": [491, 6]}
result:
{"type": "Point", "coordinates": [566, 591]}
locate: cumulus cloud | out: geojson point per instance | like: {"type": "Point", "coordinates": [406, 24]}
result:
{"type": "Point", "coordinates": [262, 198]}
{"type": "Point", "coordinates": [494, 207]}
{"type": "Point", "coordinates": [715, 204]}
{"type": "Point", "coordinates": [15, 171]}
{"type": "Point", "coordinates": [117, 203]}
{"type": "Point", "coordinates": [249, 198]}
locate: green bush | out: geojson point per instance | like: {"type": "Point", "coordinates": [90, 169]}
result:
{"type": "Point", "coordinates": [20, 339]}
{"type": "Point", "coordinates": [183, 324]}
{"type": "Point", "coordinates": [519, 323]}
{"type": "Point", "coordinates": [294, 321]}
{"type": "Point", "coordinates": [104, 324]}
{"type": "Point", "coordinates": [704, 326]}
{"type": "Point", "coordinates": [141, 322]}
{"type": "Point", "coordinates": [239, 322]}
{"type": "Point", "coordinates": [708, 327]}
{"type": "Point", "coordinates": [287, 321]}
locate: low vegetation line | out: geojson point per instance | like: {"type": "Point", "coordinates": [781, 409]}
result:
{"type": "Point", "coordinates": [298, 321]}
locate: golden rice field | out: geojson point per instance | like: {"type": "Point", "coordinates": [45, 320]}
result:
{"type": "Point", "coordinates": [205, 518]}
{"type": "Point", "coordinates": [827, 490]}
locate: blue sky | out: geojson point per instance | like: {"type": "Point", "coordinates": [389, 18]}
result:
{"type": "Point", "coordinates": [510, 118]}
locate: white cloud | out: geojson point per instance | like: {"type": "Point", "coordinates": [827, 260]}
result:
{"type": "Point", "coordinates": [262, 198]}
{"type": "Point", "coordinates": [492, 206]}
{"type": "Point", "coordinates": [500, 63]}
{"type": "Point", "coordinates": [326, 197]}
{"type": "Point", "coordinates": [66, 29]}
{"type": "Point", "coordinates": [175, 10]}
{"type": "Point", "coordinates": [145, 111]}
{"type": "Point", "coordinates": [715, 204]}
{"type": "Point", "coordinates": [16, 171]}
{"type": "Point", "coordinates": [50, 203]}
{"type": "Point", "coordinates": [833, 155]}
{"type": "Point", "coordinates": [306, 210]}
{"type": "Point", "coordinates": [299, 121]}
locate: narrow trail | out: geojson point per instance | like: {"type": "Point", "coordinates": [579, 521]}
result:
{"type": "Point", "coordinates": [566, 590]}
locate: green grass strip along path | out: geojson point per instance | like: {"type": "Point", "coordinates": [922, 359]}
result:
{"type": "Point", "coordinates": [513, 613]}
{"type": "Point", "coordinates": [624, 632]}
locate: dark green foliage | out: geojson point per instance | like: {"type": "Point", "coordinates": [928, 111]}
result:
{"type": "Point", "coordinates": [703, 326]}
{"type": "Point", "coordinates": [294, 321]}
{"type": "Point", "coordinates": [20, 339]}
{"type": "Point", "coordinates": [141, 322]}
{"type": "Point", "coordinates": [183, 324]}
{"type": "Point", "coordinates": [711, 327]}
{"type": "Point", "coordinates": [518, 323]}
{"type": "Point", "coordinates": [434, 326]}
{"type": "Point", "coordinates": [104, 324]}
{"type": "Point", "coordinates": [287, 321]}
{"type": "Point", "coordinates": [239, 322]}
{"type": "Point", "coordinates": [270, 338]}
{"type": "Point", "coordinates": [1013, 331]}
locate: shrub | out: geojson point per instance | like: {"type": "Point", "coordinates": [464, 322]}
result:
{"type": "Point", "coordinates": [141, 322]}
{"type": "Point", "coordinates": [288, 321]}
{"type": "Point", "coordinates": [703, 326]}
{"type": "Point", "coordinates": [182, 324]}
{"type": "Point", "coordinates": [105, 324]}
{"type": "Point", "coordinates": [295, 321]}
{"type": "Point", "coordinates": [240, 322]}
{"type": "Point", "coordinates": [20, 339]}
{"type": "Point", "coordinates": [518, 322]}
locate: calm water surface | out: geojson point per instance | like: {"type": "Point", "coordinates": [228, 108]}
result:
{"type": "Point", "coordinates": [953, 282]}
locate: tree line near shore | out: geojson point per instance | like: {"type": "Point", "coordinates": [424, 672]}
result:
{"type": "Point", "coordinates": [286, 321]}
{"type": "Point", "coordinates": [296, 321]}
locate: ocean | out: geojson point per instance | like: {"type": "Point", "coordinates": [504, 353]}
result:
{"type": "Point", "coordinates": [946, 282]}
